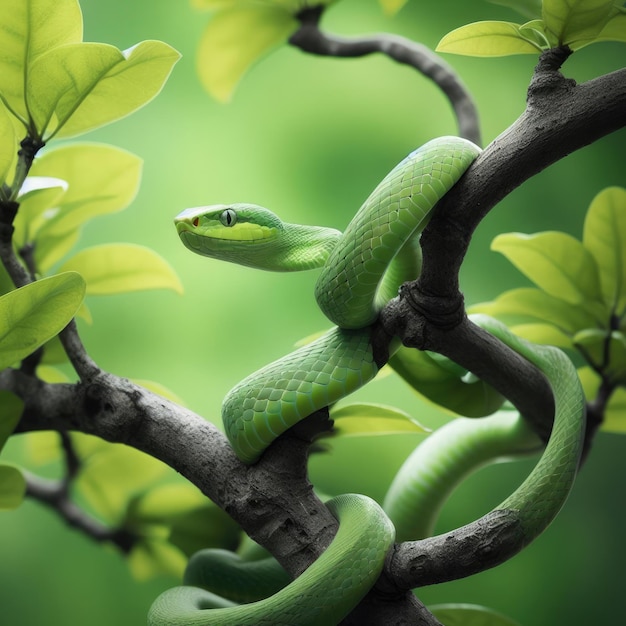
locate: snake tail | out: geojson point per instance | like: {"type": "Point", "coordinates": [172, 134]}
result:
{"type": "Point", "coordinates": [322, 595]}
{"type": "Point", "coordinates": [268, 402]}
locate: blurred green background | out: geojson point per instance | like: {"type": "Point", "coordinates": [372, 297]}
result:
{"type": "Point", "coordinates": [310, 138]}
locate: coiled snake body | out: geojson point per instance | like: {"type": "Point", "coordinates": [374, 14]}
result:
{"type": "Point", "coordinates": [361, 269]}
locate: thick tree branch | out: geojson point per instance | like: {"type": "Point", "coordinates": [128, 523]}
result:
{"type": "Point", "coordinates": [311, 39]}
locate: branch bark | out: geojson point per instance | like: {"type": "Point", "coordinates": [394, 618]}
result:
{"type": "Point", "coordinates": [311, 39]}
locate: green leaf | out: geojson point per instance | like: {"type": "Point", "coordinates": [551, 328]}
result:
{"type": "Point", "coordinates": [469, 615]}
{"type": "Point", "coordinates": [439, 385]}
{"type": "Point", "coordinates": [11, 408]}
{"type": "Point", "coordinates": [365, 419]}
{"type": "Point", "coordinates": [28, 29]}
{"type": "Point", "coordinates": [528, 302]}
{"type": "Point", "coordinates": [555, 262]}
{"type": "Point", "coordinates": [9, 144]}
{"type": "Point", "coordinates": [528, 8]}
{"type": "Point", "coordinates": [129, 85]}
{"type": "Point", "coordinates": [604, 235]}
{"type": "Point", "coordinates": [615, 413]}
{"type": "Point", "coordinates": [81, 86]}
{"type": "Point", "coordinates": [574, 20]}
{"type": "Point", "coordinates": [122, 267]}
{"type": "Point", "coordinates": [488, 39]}
{"type": "Point", "coordinates": [234, 39]}
{"type": "Point", "coordinates": [33, 314]}
{"type": "Point", "coordinates": [12, 487]}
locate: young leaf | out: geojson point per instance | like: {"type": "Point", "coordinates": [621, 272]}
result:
{"type": "Point", "coordinates": [81, 86]}
{"type": "Point", "coordinates": [604, 235]}
{"type": "Point", "coordinates": [102, 180]}
{"type": "Point", "coordinates": [360, 420]}
{"type": "Point", "coordinates": [33, 314]}
{"type": "Point", "coordinates": [555, 262]}
{"type": "Point", "coordinates": [28, 29]}
{"type": "Point", "coordinates": [469, 615]}
{"type": "Point", "coordinates": [237, 37]}
{"type": "Point", "coordinates": [573, 20]}
{"type": "Point", "coordinates": [488, 39]}
{"type": "Point", "coordinates": [122, 267]}
{"type": "Point", "coordinates": [12, 487]}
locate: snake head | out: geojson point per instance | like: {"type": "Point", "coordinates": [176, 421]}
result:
{"type": "Point", "coordinates": [240, 233]}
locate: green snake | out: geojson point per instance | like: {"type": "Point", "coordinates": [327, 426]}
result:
{"type": "Point", "coordinates": [361, 269]}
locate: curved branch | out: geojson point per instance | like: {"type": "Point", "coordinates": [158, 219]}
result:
{"type": "Point", "coordinates": [311, 39]}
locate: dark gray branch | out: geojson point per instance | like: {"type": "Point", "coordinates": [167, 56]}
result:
{"type": "Point", "coordinates": [485, 543]}
{"type": "Point", "coordinates": [311, 39]}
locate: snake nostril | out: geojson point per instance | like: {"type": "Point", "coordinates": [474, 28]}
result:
{"type": "Point", "coordinates": [195, 221]}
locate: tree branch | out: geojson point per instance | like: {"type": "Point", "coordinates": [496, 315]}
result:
{"type": "Point", "coordinates": [311, 39]}
{"type": "Point", "coordinates": [54, 494]}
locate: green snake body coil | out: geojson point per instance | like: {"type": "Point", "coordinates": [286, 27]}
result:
{"type": "Point", "coordinates": [361, 270]}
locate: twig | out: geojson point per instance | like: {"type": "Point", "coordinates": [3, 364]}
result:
{"type": "Point", "coordinates": [311, 39]}
{"type": "Point", "coordinates": [54, 494]}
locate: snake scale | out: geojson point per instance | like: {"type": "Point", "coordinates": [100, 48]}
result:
{"type": "Point", "coordinates": [361, 270]}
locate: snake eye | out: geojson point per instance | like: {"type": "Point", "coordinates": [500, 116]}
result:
{"type": "Point", "coordinates": [228, 217]}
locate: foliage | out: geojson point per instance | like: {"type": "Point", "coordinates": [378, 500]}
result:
{"type": "Point", "coordinates": [573, 23]}
{"type": "Point", "coordinates": [580, 299]}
